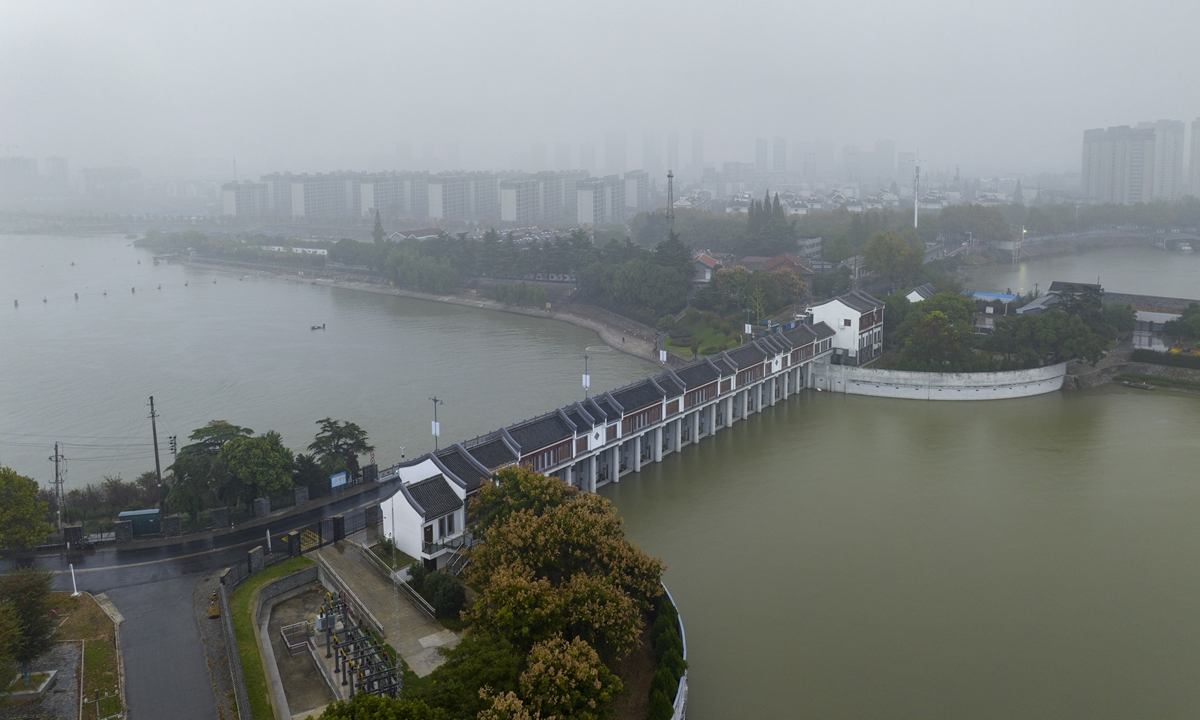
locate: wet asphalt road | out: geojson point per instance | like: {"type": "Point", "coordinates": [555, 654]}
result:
{"type": "Point", "coordinates": [166, 675]}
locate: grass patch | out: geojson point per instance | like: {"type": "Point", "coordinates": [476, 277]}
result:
{"type": "Point", "coordinates": [240, 604]}
{"type": "Point", "coordinates": [401, 559]}
{"type": "Point", "coordinates": [1160, 381]}
{"type": "Point", "coordinates": [86, 621]}
{"type": "Point", "coordinates": [707, 330]}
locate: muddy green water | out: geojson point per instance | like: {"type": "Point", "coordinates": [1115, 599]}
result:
{"type": "Point", "coordinates": [833, 557]}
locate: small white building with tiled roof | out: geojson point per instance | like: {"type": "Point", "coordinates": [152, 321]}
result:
{"type": "Point", "coordinates": [857, 321]}
{"type": "Point", "coordinates": [921, 292]}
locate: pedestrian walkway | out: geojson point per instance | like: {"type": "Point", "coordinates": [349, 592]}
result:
{"type": "Point", "coordinates": [410, 632]}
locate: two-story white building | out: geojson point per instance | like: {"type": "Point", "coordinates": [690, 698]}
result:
{"type": "Point", "coordinates": [857, 320]}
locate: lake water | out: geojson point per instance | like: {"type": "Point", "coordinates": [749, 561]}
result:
{"type": "Point", "coordinates": [81, 371]}
{"type": "Point", "coordinates": [833, 556]}
{"type": "Point", "coordinates": [1134, 270]}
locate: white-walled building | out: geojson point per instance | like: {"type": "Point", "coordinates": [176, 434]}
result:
{"type": "Point", "coordinates": [921, 292]}
{"type": "Point", "coordinates": [857, 321]}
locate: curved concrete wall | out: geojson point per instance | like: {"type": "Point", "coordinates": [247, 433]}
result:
{"type": "Point", "coordinates": [938, 386]}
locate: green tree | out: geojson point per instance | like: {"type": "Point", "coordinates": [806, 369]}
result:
{"type": "Point", "coordinates": [22, 515]}
{"type": "Point", "coordinates": [338, 444]}
{"type": "Point", "coordinates": [480, 660]}
{"type": "Point", "coordinates": [889, 255]}
{"type": "Point", "coordinates": [27, 592]}
{"type": "Point", "coordinates": [261, 465]}
{"type": "Point", "coordinates": [566, 679]}
{"type": "Point", "coordinates": [672, 253]}
{"type": "Point", "coordinates": [377, 233]}
{"type": "Point", "coordinates": [1187, 325]}
{"type": "Point", "coordinates": [364, 706]}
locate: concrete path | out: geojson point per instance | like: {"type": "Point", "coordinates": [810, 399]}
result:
{"type": "Point", "coordinates": [411, 633]}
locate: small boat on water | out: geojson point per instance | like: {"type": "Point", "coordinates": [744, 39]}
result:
{"type": "Point", "coordinates": [1137, 385]}
{"type": "Point", "coordinates": [1185, 247]}
{"type": "Point", "coordinates": [319, 327]}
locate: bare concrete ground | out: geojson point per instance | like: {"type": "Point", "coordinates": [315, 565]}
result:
{"type": "Point", "coordinates": [413, 635]}
{"type": "Point", "coordinates": [306, 689]}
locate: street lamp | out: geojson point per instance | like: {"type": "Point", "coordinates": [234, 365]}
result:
{"type": "Point", "coordinates": [437, 428]}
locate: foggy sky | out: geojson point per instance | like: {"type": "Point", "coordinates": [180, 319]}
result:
{"type": "Point", "coordinates": [998, 86]}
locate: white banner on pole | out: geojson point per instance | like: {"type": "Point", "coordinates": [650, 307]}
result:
{"type": "Point", "coordinates": [749, 329]}
{"type": "Point", "coordinates": [587, 381]}
{"type": "Point", "coordinates": [437, 428]}
{"type": "Point", "coordinates": [662, 356]}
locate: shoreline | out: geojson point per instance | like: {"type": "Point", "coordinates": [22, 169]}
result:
{"type": "Point", "coordinates": [617, 332]}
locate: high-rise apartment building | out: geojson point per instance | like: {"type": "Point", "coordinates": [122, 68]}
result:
{"type": "Point", "coordinates": [883, 164]}
{"type": "Point", "coordinates": [245, 199]}
{"type": "Point", "coordinates": [761, 155]}
{"type": "Point", "coordinates": [906, 166]}
{"type": "Point", "coordinates": [779, 158]}
{"type": "Point", "coordinates": [637, 191]}
{"type": "Point", "coordinates": [1168, 158]}
{"type": "Point", "coordinates": [600, 201]}
{"type": "Point", "coordinates": [652, 155]}
{"type": "Point", "coordinates": [1195, 166]}
{"type": "Point", "coordinates": [519, 201]}
{"type": "Point", "coordinates": [56, 173]}
{"type": "Point", "coordinates": [1118, 164]}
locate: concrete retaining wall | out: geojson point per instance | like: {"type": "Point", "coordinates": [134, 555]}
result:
{"type": "Point", "coordinates": [938, 386]}
{"type": "Point", "coordinates": [267, 595]}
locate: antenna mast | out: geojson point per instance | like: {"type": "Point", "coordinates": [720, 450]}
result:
{"type": "Point", "coordinates": [671, 201]}
{"type": "Point", "coordinates": [916, 191]}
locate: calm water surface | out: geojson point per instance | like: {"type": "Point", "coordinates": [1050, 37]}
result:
{"type": "Point", "coordinates": [1136, 270]}
{"type": "Point", "coordinates": [241, 350]}
{"type": "Point", "coordinates": [833, 557]}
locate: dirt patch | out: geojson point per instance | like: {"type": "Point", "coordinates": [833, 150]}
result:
{"type": "Point", "coordinates": [216, 655]}
{"type": "Point", "coordinates": [636, 672]}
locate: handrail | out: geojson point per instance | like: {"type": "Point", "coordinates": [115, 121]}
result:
{"type": "Point", "coordinates": [682, 691]}
{"type": "Point", "coordinates": [409, 591]}
{"type": "Point", "coordinates": [375, 625]}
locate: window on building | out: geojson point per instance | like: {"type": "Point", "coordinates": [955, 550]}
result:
{"type": "Point", "coordinates": [846, 322]}
{"type": "Point", "coordinates": [428, 533]}
{"type": "Point", "coordinates": [442, 527]}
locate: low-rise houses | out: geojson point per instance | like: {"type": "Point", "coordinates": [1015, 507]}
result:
{"type": "Point", "coordinates": [598, 440]}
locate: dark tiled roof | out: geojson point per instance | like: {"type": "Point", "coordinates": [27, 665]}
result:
{"type": "Point", "coordinates": [860, 301]}
{"type": "Point", "coordinates": [746, 355]}
{"type": "Point", "coordinates": [582, 422]}
{"type": "Point", "coordinates": [541, 432]}
{"type": "Point", "coordinates": [697, 375]}
{"type": "Point", "coordinates": [1063, 286]}
{"type": "Point", "coordinates": [926, 291]}
{"type": "Point", "coordinates": [462, 467]}
{"type": "Point", "coordinates": [434, 497]}
{"type": "Point", "coordinates": [672, 388]}
{"type": "Point", "coordinates": [493, 453]}
{"type": "Point", "coordinates": [610, 412]}
{"type": "Point", "coordinates": [637, 396]}
{"type": "Point", "coordinates": [724, 366]}
{"type": "Point", "coordinates": [773, 343]}
{"type": "Point", "coordinates": [823, 331]}
{"type": "Point", "coordinates": [800, 335]}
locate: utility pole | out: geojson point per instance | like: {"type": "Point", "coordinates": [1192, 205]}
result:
{"type": "Point", "coordinates": [437, 429]}
{"type": "Point", "coordinates": [157, 465]}
{"type": "Point", "coordinates": [587, 379]}
{"type": "Point", "coordinates": [56, 457]}
{"type": "Point", "coordinates": [916, 191]}
{"type": "Point", "coordinates": [671, 202]}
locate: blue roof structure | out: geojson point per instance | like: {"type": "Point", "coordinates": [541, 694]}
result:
{"type": "Point", "coordinates": [992, 296]}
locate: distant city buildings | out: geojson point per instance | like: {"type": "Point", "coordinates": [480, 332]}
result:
{"type": "Point", "coordinates": [1127, 165]}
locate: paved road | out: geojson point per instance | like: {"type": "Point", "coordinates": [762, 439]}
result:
{"type": "Point", "coordinates": [166, 675]}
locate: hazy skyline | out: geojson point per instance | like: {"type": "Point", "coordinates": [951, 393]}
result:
{"type": "Point", "coordinates": [320, 86]}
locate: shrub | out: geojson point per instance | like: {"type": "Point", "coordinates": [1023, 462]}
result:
{"type": "Point", "coordinates": [1158, 358]}
{"type": "Point", "coordinates": [668, 641]}
{"type": "Point", "coordinates": [674, 662]}
{"type": "Point", "coordinates": [445, 593]}
{"type": "Point", "coordinates": [710, 350]}
{"type": "Point", "coordinates": [665, 682]}
{"type": "Point", "coordinates": [660, 707]}
{"type": "Point", "coordinates": [416, 576]}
